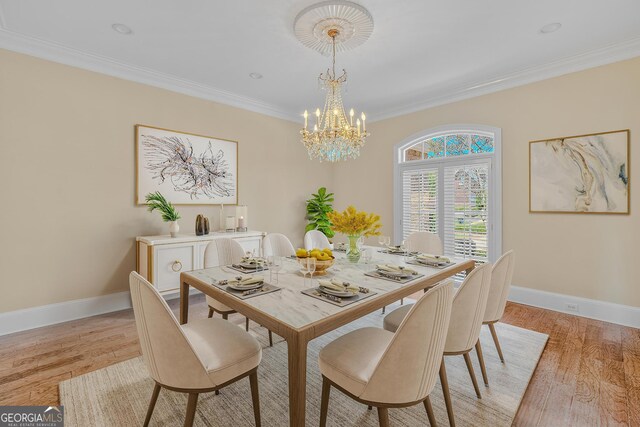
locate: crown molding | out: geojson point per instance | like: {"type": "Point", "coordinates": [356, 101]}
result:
{"type": "Point", "coordinates": [606, 55]}
{"type": "Point", "coordinates": [56, 52]}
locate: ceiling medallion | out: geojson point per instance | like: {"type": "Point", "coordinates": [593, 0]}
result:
{"type": "Point", "coordinates": [329, 27]}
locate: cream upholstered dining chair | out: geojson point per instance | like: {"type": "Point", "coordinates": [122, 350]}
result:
{"type": "Point", "coordinates": [277, 244]}
{"type": "Point", "coordinates": [315, 239]}
{"type": "Point", "coordinates": [469, 304]}
{"type": "Point", "coordinates": [425, 242]}
{"type": "Point", "coordinates": [221, 252]}
{"type": "Point", "coordinates": [387, 370]}
{"type": "Point", "coordinates": [202, 356]}
{"type": "Point", "coordinates": [501, 276]}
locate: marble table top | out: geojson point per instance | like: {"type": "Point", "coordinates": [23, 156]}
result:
{"type": "Point", "coordinates": [297, 310]}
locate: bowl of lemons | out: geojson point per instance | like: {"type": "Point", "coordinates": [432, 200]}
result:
{"type": "Point", "coordinates": [324, 259]}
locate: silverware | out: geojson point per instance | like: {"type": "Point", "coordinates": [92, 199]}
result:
{"type": "Point", "coordinates": [329, 297]}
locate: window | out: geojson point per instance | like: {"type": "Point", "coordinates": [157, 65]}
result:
{"type": "Point", "coordinates": [447, 181]}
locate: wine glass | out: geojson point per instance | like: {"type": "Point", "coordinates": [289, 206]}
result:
{"type": "Point", "coordinates": [270, 262]}
{"type": "Point", "coordinates": [366, 255]}
{"type": "Point", "coordinates": [311, 267]}
{"type": "Point", "coordinates": [277, 266]}
{"type": "Point", "coordinates": [382, 240]}
{"type": "Point", "coordinates": [406, 248]}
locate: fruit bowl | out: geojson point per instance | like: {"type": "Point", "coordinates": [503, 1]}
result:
{"type": "Point", "coordinates": [321, 266]}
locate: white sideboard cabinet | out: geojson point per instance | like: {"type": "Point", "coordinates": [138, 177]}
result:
{"type": "Point", "coordinates": [161, 259]}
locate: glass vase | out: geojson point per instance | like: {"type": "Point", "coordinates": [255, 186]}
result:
{"type": "Point", "coordinates": [353, 251]}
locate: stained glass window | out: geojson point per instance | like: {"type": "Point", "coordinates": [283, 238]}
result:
{"type": "Point", "coordinates": [449, 145]}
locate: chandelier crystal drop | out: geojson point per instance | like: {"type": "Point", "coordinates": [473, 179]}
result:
{"type": "Point", "coordinates": [335, 136]}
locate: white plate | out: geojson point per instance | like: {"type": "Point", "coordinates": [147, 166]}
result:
{"type": "Point", "coordinates": [250, 266]}
{"type": "Point", "coordinates": [342, 294]}
{"type": "Point", "coordinates": [401, 275]}
{"type": "Point", "coordinates": [246, 288]}
{"type": "Point", "coordinates": [431, 263]}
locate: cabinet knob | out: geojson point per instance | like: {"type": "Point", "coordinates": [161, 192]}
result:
{"type": "Point", "coordinates": [176, 266]}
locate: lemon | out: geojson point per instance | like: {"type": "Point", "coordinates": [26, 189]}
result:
{"type": "Point", "coordinates": [301, 253]}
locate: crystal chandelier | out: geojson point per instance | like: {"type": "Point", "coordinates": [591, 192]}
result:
{"type": "Point", "coordinates": [334, 136]}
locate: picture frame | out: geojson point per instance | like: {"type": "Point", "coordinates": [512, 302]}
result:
{"type": "Point", "coordinates": [187, 168]}
{"type": "Point", "coordinates": [586, 174]}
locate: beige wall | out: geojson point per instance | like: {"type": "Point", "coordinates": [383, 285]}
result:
{"type": "Point", "coordinates": [591, 256]}
{"type": "Point", "coordinates": [67, 216]}
{"type": "Point", "coordinates": [68, 219]}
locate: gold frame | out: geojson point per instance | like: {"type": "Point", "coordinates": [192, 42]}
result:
{"type": "Point", "coordinates": [628, 212]}
{"type": "Point", "coordinates": [137, 181]}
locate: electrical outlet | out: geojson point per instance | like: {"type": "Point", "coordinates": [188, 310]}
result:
{"type": "Point", "coordinates": [571, 307]}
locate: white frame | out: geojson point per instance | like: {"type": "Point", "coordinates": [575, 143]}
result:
{"type": "Point", "coordinates": [495, 187]}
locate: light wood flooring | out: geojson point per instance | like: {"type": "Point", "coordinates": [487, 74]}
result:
{"type": "Point", "coordinates": [589, 373]}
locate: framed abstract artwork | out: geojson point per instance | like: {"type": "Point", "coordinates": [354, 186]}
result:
{"type": "Point", "coordinates": [580, 174]}
{"type": "Point", "coordinates": [188, 169]}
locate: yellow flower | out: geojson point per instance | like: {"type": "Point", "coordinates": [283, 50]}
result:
{"type": "Point", "coordinates": [351, 222]}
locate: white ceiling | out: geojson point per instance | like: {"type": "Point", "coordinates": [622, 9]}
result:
{"type": "Point", "coordinates": [421, 52]}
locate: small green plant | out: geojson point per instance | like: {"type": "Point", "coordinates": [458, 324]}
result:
{"type": "Point", "coordinates": [157, 201]}
{"type": "Point", "coordinates": [318, 207]}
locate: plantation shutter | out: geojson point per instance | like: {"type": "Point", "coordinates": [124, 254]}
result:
{"type": "Point", "coordinates": [466, 210]}
{"type": "Point", "coordinates": [419, 201]}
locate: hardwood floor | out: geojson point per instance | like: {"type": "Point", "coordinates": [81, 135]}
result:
{"type": "Point", "coordinates": [589, 373]}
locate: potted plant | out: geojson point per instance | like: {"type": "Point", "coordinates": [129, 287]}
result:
{"type": "Point", "coordinates": [318, 206]}
{"type": "Point", "coordinates": [167, 211]}
{"type": "Point", "coordinates": [354, 225]}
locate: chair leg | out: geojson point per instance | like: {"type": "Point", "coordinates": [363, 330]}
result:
{"type": "Point", "coordinates": [253, 380]}
{"type": "Point", "coordinates": [225, 316]}
{"type": "Point", "coordinates": [445, 391]}
{"type": "Point", "coordinates": [210, 313]}
{"type": "Point", "coordinates": [270, 339]}
{"type": "Point", "coordinates": [246, 324]}
{"type": "Point", "coordinates": [429, 408]}
{"type": "Point", "coordinates": [369, 407]}
{"type": "Point", "coordinates": [481, 361]}
{"type": "Point", "coordinates": [472, 374]}
{"type": "Point", "coordinates": [495, 340]}
{"type": "Point", "coordinates": [217, 392]}
{"type": "Point", "coordinates": [384, 309]}
{"type": "Point", "coordinates": [401, 301]}
{"type": "Point", "coordinates": [383, 417]}
{"type": "Point", "coordinates": [152, 404]}
{"type": "Point", "coordinates": [191, 409]}
{"type": "Point", "coordinates": [324, 404]}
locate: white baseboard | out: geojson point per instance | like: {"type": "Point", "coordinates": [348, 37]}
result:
{"type": "Point", "coordinates": [35, 317]}
{"type": "Point", "coordinates": [600, 310]}
{"type": "Point", "coordinates": [51, 314]}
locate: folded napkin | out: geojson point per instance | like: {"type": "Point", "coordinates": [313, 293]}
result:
{"type": "Point", "coordinates": [392, 268]}
{"type": "Point", "coordinates": [338, 285]}
{"type": "Point", "coordinates": [395, 249]}
{"type": "Point", "coordinates": [433, 258]}
{"type": "Point", "coordinates": [245, 281]}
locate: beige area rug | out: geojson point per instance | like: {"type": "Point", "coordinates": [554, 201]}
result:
{"type": "Point", "coordinates": [119, 395]}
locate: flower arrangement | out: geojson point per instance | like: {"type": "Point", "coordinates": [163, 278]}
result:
{"type": "Point", "coordinates": [352, 223]}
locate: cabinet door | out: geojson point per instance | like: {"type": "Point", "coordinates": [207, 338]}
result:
{"type": "Point", "coordinates": [171, 260]}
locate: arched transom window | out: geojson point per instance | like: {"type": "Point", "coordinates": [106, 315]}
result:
{"type": "Point", "coordinates": [447, 181]}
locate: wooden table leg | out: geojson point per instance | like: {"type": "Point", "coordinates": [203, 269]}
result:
{"type": "Point", "coordinates": [297, 348]}
{"type": "Point", "coordinates": [184, 302]}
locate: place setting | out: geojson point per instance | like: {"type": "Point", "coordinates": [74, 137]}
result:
{"type": "Point", "coordinates": [338, 292]}
{"type": "Point", "coordinates": [245, 287]}
{"type": "Point", "coordinates": [395, 273]}
{"type": "Point", "coordinates": [250, 264]}
{"type": "Point", "coordinates": [430, 260]}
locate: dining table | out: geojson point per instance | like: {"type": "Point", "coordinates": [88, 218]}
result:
{"type": "Point", "coordinates": [299, 318]}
